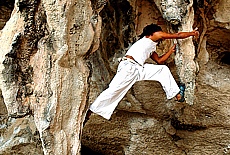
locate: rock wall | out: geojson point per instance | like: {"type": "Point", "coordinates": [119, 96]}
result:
{"type": "Point", "coordinates": [44, 74]}
{"type": "Point", "coordinates": [57, 56]}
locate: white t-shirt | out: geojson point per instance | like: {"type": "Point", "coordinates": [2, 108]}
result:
{"type": "Point", "coordinates": [142, 49]}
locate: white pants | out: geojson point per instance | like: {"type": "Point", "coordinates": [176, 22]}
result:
{"type": "Point", "coordinates": [127, 74]}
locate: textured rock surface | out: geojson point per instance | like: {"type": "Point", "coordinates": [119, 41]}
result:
{"type": "Point", "coordinates": [57, 56]}
{"type": "Point", "coordinates": [43, 69]}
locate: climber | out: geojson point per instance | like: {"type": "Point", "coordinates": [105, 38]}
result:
{"type": "Point", "coordinates": [132, 69]}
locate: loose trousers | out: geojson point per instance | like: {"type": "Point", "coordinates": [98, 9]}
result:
{"type": "Point", "coordinates": [128, 73]}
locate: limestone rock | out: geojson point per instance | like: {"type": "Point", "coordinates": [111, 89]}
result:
{"type": "Point", "coordinates": [43, 68]}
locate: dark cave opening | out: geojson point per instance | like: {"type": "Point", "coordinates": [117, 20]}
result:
{"type": "Point", "coordinates": [225, 58]}
{"type": "Point", "coordinates": [87, 151]}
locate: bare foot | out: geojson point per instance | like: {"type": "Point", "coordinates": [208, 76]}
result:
{"type": "Point", "coordinates": [178, 97]}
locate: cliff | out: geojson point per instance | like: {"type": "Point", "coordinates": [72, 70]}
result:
{"type": "Point", "coordinates": [57, 56]}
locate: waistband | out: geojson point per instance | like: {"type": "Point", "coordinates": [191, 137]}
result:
{"type": "Point", "coordinates": [131, 60]}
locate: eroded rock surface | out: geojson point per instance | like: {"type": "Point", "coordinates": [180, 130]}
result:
{"type": "Point", "coordinates": [44, 73]}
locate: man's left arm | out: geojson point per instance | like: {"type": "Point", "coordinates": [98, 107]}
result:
{"type": "Point", "coordinates": [163, 58]}
{"type": "Point", "coordinates": [160, 35]}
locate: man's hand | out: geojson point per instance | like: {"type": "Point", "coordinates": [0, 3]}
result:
{"type": "Point", "coordinates": [196, 33]}
{"type": "Point", "coordinates": [172, 49]}
{"type": "Point", "coordinates": [163, 58]}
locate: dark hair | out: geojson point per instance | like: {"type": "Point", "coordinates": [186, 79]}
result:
{"type": "Point", "coordinates": [149, 30]}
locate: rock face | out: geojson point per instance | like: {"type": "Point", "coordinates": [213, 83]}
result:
{"type": "Point", "coordinates": [57, 56]}
{"type": "Point", "coordinates": [44, 73]}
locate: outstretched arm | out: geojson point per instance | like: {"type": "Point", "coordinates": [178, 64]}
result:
{"type": "Point", "coordinates": [163, 58]}
{"type": "Point", "coordinates": [180, 35]}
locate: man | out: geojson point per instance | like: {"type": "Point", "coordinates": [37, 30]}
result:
{"type": "Point", "coordinates": [132, 69]}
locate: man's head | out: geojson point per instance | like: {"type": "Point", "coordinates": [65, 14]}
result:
{"type": "Point", "coordinates": [150, 29]}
